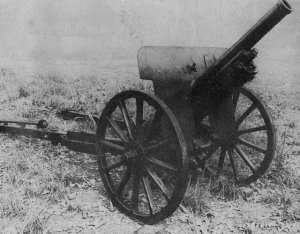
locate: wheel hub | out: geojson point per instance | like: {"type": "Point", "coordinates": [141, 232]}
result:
{"type": "Point", "coordinates": [138, 153]}
{"type": "Point", "coordinates": [230, 140]}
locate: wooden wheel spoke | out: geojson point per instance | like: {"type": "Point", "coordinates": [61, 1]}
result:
{"type": "Point", "coordinates": [230, 152]}
{"type": "Point", "coordinates": [118, 130]}
{"type": "Point", "coordinates": [115, 165]}
{"type": "Point", "coordinates": [245, 114]}
{"type": "Point", "coordinates": [151, 126]}
{"type": "Point", "coordinates": [251, 130]}
{"type": "Point", "coordinates": [135, 190]}
{"type": "Point", "coordinates": [140, 180]}
{"type": "Point", "coordinates": [251, 145]}
{"type": "Point", "coordinates": [157, 146]}
{"type": "Point", "coordinates": [112, 147]}
{"type": "Point", "coordinates": [124, 181]}
{"type": "Point", "coordinates": [221, 160]}
{"type": "Point", "coordinates": [126, 118]}
{"type": "Point", "coordinates": [139, 117]}
{"type": "Point", "coordinates": [235, 98]}
{"type": "Point", "coordinates": [162, 164]}
{"type": "Point", "coordinates": [153, 122]}
{"type": "Point", "coordinates": [159, 183]}
{"type": "Point", "coordinates": [249, 158]}
{"type": "Point", "coordinates": [149, 194]}
{"type": "Point", "coordinates": [245, 158]}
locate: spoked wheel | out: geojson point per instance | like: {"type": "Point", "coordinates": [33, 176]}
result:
{"type": "Point", "coordinates": [246, 151]}
{"type": "Point", "coordinates": [142, 156]}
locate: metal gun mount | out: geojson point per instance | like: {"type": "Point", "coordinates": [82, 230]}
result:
{"type": "Point", "coordinates": [201, 109]}
{"type": "Point", "coordinates": [174, 81]}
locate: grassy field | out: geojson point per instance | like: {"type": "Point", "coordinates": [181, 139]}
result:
{"type": "Point", "coordinates": [49, 189]}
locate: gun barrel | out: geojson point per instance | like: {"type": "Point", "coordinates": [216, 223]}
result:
{"type": "Point", "coordinates": [247, 41]}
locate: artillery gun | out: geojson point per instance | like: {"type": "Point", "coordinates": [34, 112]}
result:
{"type": "Point", "coordinates": [144, 142]}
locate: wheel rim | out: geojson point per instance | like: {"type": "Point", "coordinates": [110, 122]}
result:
{"type": "Point", "coordinates": [249, 152]}
{"type": "Point", "coordinates": [143, 165]}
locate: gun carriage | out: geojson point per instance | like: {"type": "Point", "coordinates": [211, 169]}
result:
{"type": "Point", "coordinates": [145, 143]}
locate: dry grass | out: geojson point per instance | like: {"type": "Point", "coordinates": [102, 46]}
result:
{"type": "Point", "coordinates": [31, 180]}
{"type": "Point", "coordinates": [35, 175]}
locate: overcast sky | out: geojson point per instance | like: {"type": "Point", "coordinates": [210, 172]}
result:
{"type": "Point", "coordinates": [92, 30]}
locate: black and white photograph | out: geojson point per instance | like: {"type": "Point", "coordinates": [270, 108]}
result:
{"type": "Point", "coordinates": [149, 116]}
